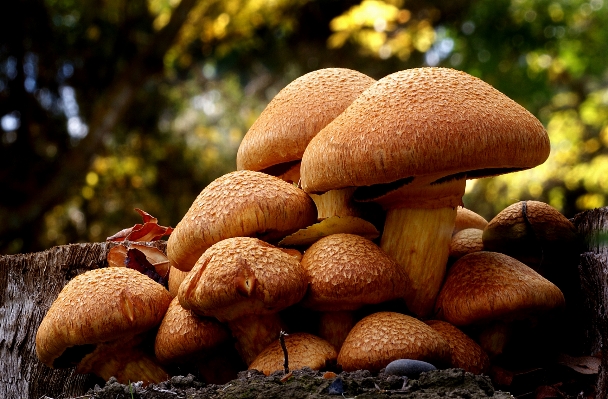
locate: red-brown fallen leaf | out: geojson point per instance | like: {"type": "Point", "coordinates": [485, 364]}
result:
{"type": "Point", "coordinates": [150, 230]}
{"type": "Point", "coordinates": [118, 255]}
{"type": "Point", "coordinates": [548, 392]}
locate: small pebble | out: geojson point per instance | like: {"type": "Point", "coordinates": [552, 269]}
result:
{"type": "Point", "coordinates": [336, 387]}
{"type": "Point", "coordinates": [408, 368]}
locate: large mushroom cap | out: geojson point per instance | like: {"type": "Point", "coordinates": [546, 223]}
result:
{"type": "Point", "coordinates": [382, 337]}
{"type": "Point", "coordinates": [239, 204]}
{"type": "Point", "coordinates": [296, 114]}
{"type": "Point", "coordinates": [99, 306]}
{"type": "Point", "coordinates": [242, 276]}
{"type": "Point", "coordinates": [347, 271]}
{"type": "Point", "coordinates": [484, 286]}
{"type": "Point", "coordinates": [303, 350]}
{"type": "Point", "coordinates": [420, 122]}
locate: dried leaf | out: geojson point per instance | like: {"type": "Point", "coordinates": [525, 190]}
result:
{"type": "Point", "coordinates": [331, 225]}
{"type": "Point", "coordinates": [116, 256]}
{"type": "Point", "coordinates": [150, 230]}
{"type": "Point", "coordinates": [137, 260]}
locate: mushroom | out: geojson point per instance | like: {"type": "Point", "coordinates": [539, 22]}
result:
{"type": "Point", "coordinates": [303, 350]}
{"type": "Point", "coordinates": [199, 344]}
{"type": "Point", "coordinates": [277, 139]}
{"type": "Point", "coordinates": [378, 339]}
{"type": "Point", "coordinates": [464, 242]}
{"type": "Point", "coordinates": [493, 291]}
{"type": "Point", "coordinates": [99, 323]}
{"type": "Point", "coordinates": [244, 282]}
{"type": "Point", "coordinates": [239, 204]}
{"type": "Point", "coordinates": [534, 233]}
{"type": "Point", "coordinates": [465, 353]}
{"type": "Point", "coordinates": [346, 272]}
{"type": "Point", "coordinates": [467, 219]}
{"type": "Point", "coordinates": [409, 142]}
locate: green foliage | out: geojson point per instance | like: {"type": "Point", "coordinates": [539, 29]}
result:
{"type": "Point", "coordinates": [194, 99]}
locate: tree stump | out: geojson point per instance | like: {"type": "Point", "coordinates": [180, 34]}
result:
{"type": "Point", "coordinates": [593, 270]}
{"type": "Point", "coordinates": [29, 283]}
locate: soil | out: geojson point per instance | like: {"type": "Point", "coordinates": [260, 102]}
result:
{"type": "Point", "coordinates": [309, 384]}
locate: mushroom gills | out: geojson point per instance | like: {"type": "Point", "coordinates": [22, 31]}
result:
{"type": "Point", "coordinates": [73, 355]}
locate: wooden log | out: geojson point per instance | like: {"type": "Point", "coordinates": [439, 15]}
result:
{"type": "Point", "coordinates": [593, 270]}
{"type": "Point", "coordinates": [29, 283]}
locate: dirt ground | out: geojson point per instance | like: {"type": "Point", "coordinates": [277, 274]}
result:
{"type": "Point", "coordinates": [309, 384]}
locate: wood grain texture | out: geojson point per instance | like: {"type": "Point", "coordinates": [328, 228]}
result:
{"type": "Point", "coordinates": [29, 283]}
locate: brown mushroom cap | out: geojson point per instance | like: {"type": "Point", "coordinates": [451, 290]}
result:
{"type": "Point", "coordinates": [182, 335]}
{"type": "Point", "coordinates": [484, 286]}
{"type": "Point", "coordinates": [408, 125]}
{"type": "Point", "coordinates": [467, 219]}
{"type": "Point", "coordinates": [465, 353]}
{"type": "Point", "coordinates": [99, 306]}
{"type": "Point", "coordinates": [347, 271]}
{"type": "Point", "coordinates": [296, 114]}
{"type": "Point", "coordinates": [380, 338]}
{"type": "Point", "coordinates": [239, 204]}
{"type": "Point", "coordinates": [465, 242]}
{"type": "Point", "coordinates": [242, 276]}
{"type": "Point", "coordinates": [532, 232]}
{"type": "Point", "coordinates": [303, 350]}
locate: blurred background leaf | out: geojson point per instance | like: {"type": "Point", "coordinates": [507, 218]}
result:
{"type": "Point", "coordinates": [109, 105]}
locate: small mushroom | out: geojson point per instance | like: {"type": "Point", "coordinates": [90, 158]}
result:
{"type": "Point", "coordinates": [467, 219]}
{"type": "Point", "coordinates": [303, 350]}
{"type": "Point", "coordinates": [493, 290]}
{"type": "Point", "coordinates": [245, 282]}
{"type": "Point", "coordinates": [465, 353]}
{"type": "Point", "coordinates": [408, 143]}
{"type": "Point", "coordinates": [346, 272]}
{"type": "Point", "coordinates": [277, 139]}
{"type": "Point", "coordinates": [186, 342]}
{"type": "Point", "coordinates": [239, 204]}
{"type": "Point", "coordinates": [99, 323]}
{"type": "Point", "coordinates": [378, 339]}
{"type": "Point", "coordinates": [465, 242]}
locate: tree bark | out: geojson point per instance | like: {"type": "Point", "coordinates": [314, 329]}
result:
{"type": "Point", "coordinates": [593, 269]}
{"type": "Point", "coordinates": [29, 283]}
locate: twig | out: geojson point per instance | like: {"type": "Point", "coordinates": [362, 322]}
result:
{"type": "Point", "coordinates": [282, 335]}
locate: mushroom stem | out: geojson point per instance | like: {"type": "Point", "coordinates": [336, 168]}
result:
{"type": "Point", "coordinates": [336, 203]}
{"type": "Point", "coordinates": [335, 326]}
{"type": "Point", "coordinates": [254, 333]}
{"type": "Point", "coordinates": [419, 240]}
{"type": "Point", "coordinates": [495, 337]}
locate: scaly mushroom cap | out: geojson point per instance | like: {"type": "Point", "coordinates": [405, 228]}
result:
{"type": "Point", "coordinates": [423, 122]}
{"type": "Point", "coordinates": [296, 114]}
{"type": "Point", "coordinates": [347, 271]}
{"type": "Point", "coordinates": [99, 306]}
{"type": "Point", "coordinates": [242, 276]}
{"type": "Point", "coordinates": [303, 350]}
{"type": "Point", "coordinates": [380, 338]}
{"type": "Point", "coordinates": [465, 242]}
{"type": "Point", "coordinates": [484, 286]}
{"type": "Point", "coordinates": [532, 232]}
{"type": "Point", "coordinates": [182, 335]}
{"type": "Point", "coordinates": [239, 204]}
{"type": "Point", "coordinates": [467, 219]}
{"type": "Point", "coordinates": [465, 353]}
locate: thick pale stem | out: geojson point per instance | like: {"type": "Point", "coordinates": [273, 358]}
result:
{"type": "Point", "coordinates": [335, 326]}
{"type": "Point", "coordinates": [419, 240]}
{"type": "Point", "coordinates": [336, 203]}
{"type": "Point", "coordinates": [254, 333]}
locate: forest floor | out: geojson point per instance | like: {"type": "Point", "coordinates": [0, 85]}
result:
{"type": "Point", "coordinates": [309, 384]}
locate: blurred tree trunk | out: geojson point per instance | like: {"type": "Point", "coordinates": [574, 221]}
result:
{"type": "Point", "coordinates": [29, 283]}
{"type": "Point", "coordinates": [593, 227]}
{"type": "Point", "coordinates": [23, 219]}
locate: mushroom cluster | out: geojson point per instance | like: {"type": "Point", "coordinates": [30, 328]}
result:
{"type": "Point", "coordinates": [333, 151]}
